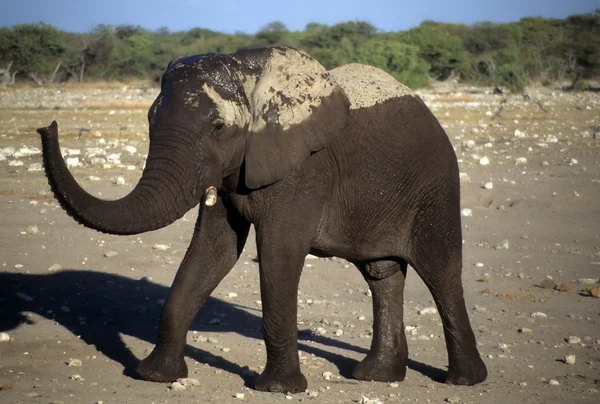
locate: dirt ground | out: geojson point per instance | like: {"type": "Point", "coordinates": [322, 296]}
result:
{"type": "Point", "coordinates": [79, 309]}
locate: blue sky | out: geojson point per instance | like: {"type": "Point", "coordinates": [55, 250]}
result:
{"type": "Point", "coordinates": [250, 15]}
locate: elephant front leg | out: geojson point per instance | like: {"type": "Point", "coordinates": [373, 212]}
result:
{"type": "Point", "coordinates": [280, 267]}
{"type": "Point", "coordinates": [214, 249]}
{"type": "Point", "coordinates": [388, 356]}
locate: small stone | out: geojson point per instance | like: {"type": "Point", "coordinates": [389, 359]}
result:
{"type": "Point", "coordinates": [177, 386]}
{"type": "Point", "coordinates": [453, 399]}
{"type": "Point", "coordinates": [503, 245]}
{"type": "Point", "coordinates": [4, 337]}
{"type": "Point", "coordinates": [225, 349]}
{"type": "Point", "coordinates": [563, 287]}
{"type": "Point", "coordinates": [518, 133]}
{"type": "Point", "coordinates": [538, 314]}
{"type": "Point", "coordinates": [427, 310]}
{"type": "Point", "coordinates": [525, 330]}
{"type": "Point", "coordinates": [587, 281]}
{"type": "Point", "coordinates": [484, 278]}
{"type": "Point", "coordinates": [553, 382]}
{"type": "Point", "coordinates": [130, 149]}
{"type": "Point", "coordinates": [484, 161]}
{"type": "Point", "coordinates": [573, 340]}
{"type": "Point", "coordinates": [466, 212]}
{"type": "Point", "coordinates": [548, 284]}
{"type": "Point", "coordinates": [321, 331]}
{"type": "Point", "coordinates": [595, 291]}
{"type": "Point", "coordinates": [111, 254]}
{"type": "Point", "coordinates": [186, 381]}
{"type": "Point", "coordinates": [239, 396]}
{"type": "Point", "coordinates": [488, 185]}
{"type": "Point", "coordinates": [523, 384]}
{"type": "Point", "coordinates": [313, 394]}
{"type": "Point", "coordinates": [520, 161]}
{"type": "Point", "coordinates": [231, 295]}
{"type": "Point", "coordinates": [339, 333]}
{"type": "Point", "coordinates": [120, 181]}
{"type": "Point", "coordinates": [289, 397]}
{"type": "Point", "coordinates": [327, 375]}
{"type": "Point", "coordinates": [54, 267]}
{"type": "Point", "coordinates": [33, 230]}
{"type": "Point", "coordinates": [94, 178]}
{"type": "Point", "coordinates": [572, 162]}
{"type": "Point", "coordinates": [74, 362]}
{"type": "Point", "coordinates": [161, 247]}
{"type": "Point", "coordinates": [77, 378]}
{"type": "Point", "coordinates": [73, 162]}
{"type": "Point", "coordinates": [570, 359]}
{"type": "Point", "coordinates": [362, 318]}
{"type": "Point", "coordinates": [35, 167]}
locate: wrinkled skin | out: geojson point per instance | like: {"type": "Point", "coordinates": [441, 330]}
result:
{"type": "Point", "coordinates": [376, 185]}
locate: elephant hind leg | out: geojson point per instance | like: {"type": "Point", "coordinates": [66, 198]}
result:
{"type": "Point", "coordinates": [441, 272]}
{"type": "Point", "coordinates": [388, 356]}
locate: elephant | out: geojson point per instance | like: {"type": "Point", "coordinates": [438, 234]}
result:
{"type": "Point", "coordinates": [347, 162]}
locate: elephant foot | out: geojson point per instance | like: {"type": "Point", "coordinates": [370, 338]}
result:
{"type": "Point", "coordinates": [281, 381]}
{"type": "Point", "coordinates": [467, 372]}
{"type": "Point", "coordinates": [161, 367]}
{"type": "Point", "coordinates": [372, 368]}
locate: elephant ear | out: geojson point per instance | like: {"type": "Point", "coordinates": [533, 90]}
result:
{"type": "Point", "coordinates": [296, 109]}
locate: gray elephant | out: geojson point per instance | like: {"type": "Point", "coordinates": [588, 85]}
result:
{"type": "Point", "coordinates": [347, 163]}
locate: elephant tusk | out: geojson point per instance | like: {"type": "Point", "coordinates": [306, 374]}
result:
{"type": "Point", "coordinates": [211, 196]}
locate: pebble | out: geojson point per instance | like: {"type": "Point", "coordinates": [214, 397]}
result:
{"type": "Point", "coordinates": [73, 162]}
{"type": "Point", "coordinates": [339, 333]}
{"type": "Point", "coordinates": [4, 337]}
{"type": "Point", "coordinates": [503, 245]}
{"type": "Point", "coordinates": [367, 400]}
{"type": "Point", "coordinates": [466, 212]}
{"type": "Point", "coordinates": [570, 359]}
{"type": "Point", "coordinates": [427, 310]}
{"type": "Point", "coordinates": [239, 396]}
{"type": "Point", "coordinates": [553, 382]}
{"type": "Point", "coordinates": [321, 331]}
{"type": "Point", "coordinates": [572, 162]}
{"type": "Point", "coordinates": [188, 382]}
{"type": "Point", "coordinates": [453, 399]}
{"type": "Point", "coordinates": [35, 167]}
{"type": "Point", "coordinates": [488, 185]}
{"type": "Point", "coordinates": [130, 149]}
{"type": "Point", "coordinates": [525, 330]}
{"type": "Point", "coordinates": [539, 314]}
{"type": "Point", "coordinates": [548, 284]}
{"type": "Point", "coordinates": [54, 267]}
{"type": "Point", "coordinates": [327, 375]}
{"type": "Point", "coordinates": [120, 181]}
{"type": "Point", "coordinates": [33, 230]}
{"type": "Point", "coordinates": [94, 178]}
{"type": "Point", "coordinates": [77, 378]}
{"type": "Point", "coordinates": [563, 287]}
{"type": "Point", "coordinates": [587, 281]}
{"type": "Point", "coordinates": [177, 386]}
{"type": "Point", "coordinates": [573, 340]}
{"type": "Point", "coordinates": [484, 161]}
{"type": "Point", "coordinates": [111, 254]}
{"type": "Point", "coordinates": [520, 160]}
{"type": "Point", "coordinates": [74, 362]}
{"type": "Point", "coordinates": [485, 278]}
{"type": "Point", "coordinates": [161, 247]}
{"type": "Point", "coordinates": [231, 295]}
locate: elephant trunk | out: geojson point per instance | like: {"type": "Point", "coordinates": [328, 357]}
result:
{"type": "Point", "coordinates": [167, 190]}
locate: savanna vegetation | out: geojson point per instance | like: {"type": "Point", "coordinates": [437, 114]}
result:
{"type": "Point", "coordinates": [512, 55]}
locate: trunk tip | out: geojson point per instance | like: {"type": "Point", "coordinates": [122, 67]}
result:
{"type": "Point", "coordinates": [51, 130]}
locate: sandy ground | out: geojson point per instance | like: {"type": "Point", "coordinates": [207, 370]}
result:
{"type": "Point", "coordinates": [80, 308]}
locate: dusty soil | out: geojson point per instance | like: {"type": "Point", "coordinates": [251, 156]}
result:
{"type": "Point", "coordinates": [77, 329]}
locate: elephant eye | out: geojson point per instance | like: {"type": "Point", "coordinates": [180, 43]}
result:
{"type": "Point", "coordinates": [219, 123]}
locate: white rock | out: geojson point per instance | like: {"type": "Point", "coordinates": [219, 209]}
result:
{"type": "Point", "coordinates": [572, 162]}
{"type": "Point", "coordinates": [161, 247]}
{"type": "Point", "coordinates": [33, 230]}
{"type": "Point", "coordinates": [4, 337]}
{"type": "Point", "coordinates": [588, 281]}
{"type": "Point", "coordinates": [520, 160]}
{"type": "Point", "coordinates": [573, 340]}
{"type": "Point", "coordinates": [130, 149]}
{"type": "Point", "coordinates": [518, 133]}
{"type": "Point", "coordinates": [570, 359]}
{"type": "Point", "coordinates": [321, 331]}
{"type": "Point", "coordinates": [35, 167]}
{"type": "Point", "coordinates": [469, 144]}
{"type": "Point", "coordinates": [504, 244]}
{"type": "Point", "coordinates": [484, 161]}
{"type": "Point", "coordinates": [231, 295]}
{"type": "Point", "coordinates": [311, 257]}
{"type": "Point", "coordinates": [114, 157]}
{"type": "Point", "coordinates": [74, 362]}
{"type": "Point", "coordinates": [188, 382]}
{"type": "Point", "coordinates": [488, 113]}
{"type": "Point", "coordinates": [427, 310]}
{"type": "Point", "coordinates": [466, 212]}
{"type": "Point", "coordinates": [120, 181]}
{"type": "Point", "coordinates": [93, 178]}
{"type": "Point", "coordinates": [538, 314]}
{"type": "Point", "coordinates": [339, 333]}
{"type": "Point", "coordinates": [73, 162]}
{"type": "Point", "coordinates": [553, 382]}
{"type": "Point", "coordinates": [15, 163]}
{"type": "Point", "coordinates": [177, 386]}
{"type": "Point", "coordinates": [327, 375]}
{"type": "Point", "coordinates": [111, 254]}
{"type": "Point", "coordinates": [77, 378]}
{"type": "Point", "coordinates": [488, 185]}
{"type": "Point", "coordinates": [54, 268]}
{"type": "Point", "coordinates": [239, 396]}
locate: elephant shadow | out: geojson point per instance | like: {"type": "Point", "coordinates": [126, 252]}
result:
{"type": "Point", "coordinates": [99, 307]}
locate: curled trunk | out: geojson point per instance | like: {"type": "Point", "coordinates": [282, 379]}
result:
{"type": "Point", "coordinates": [166, 191]}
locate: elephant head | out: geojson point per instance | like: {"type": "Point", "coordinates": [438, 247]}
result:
{"type": "Point", "coordinates": [254, 115]}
